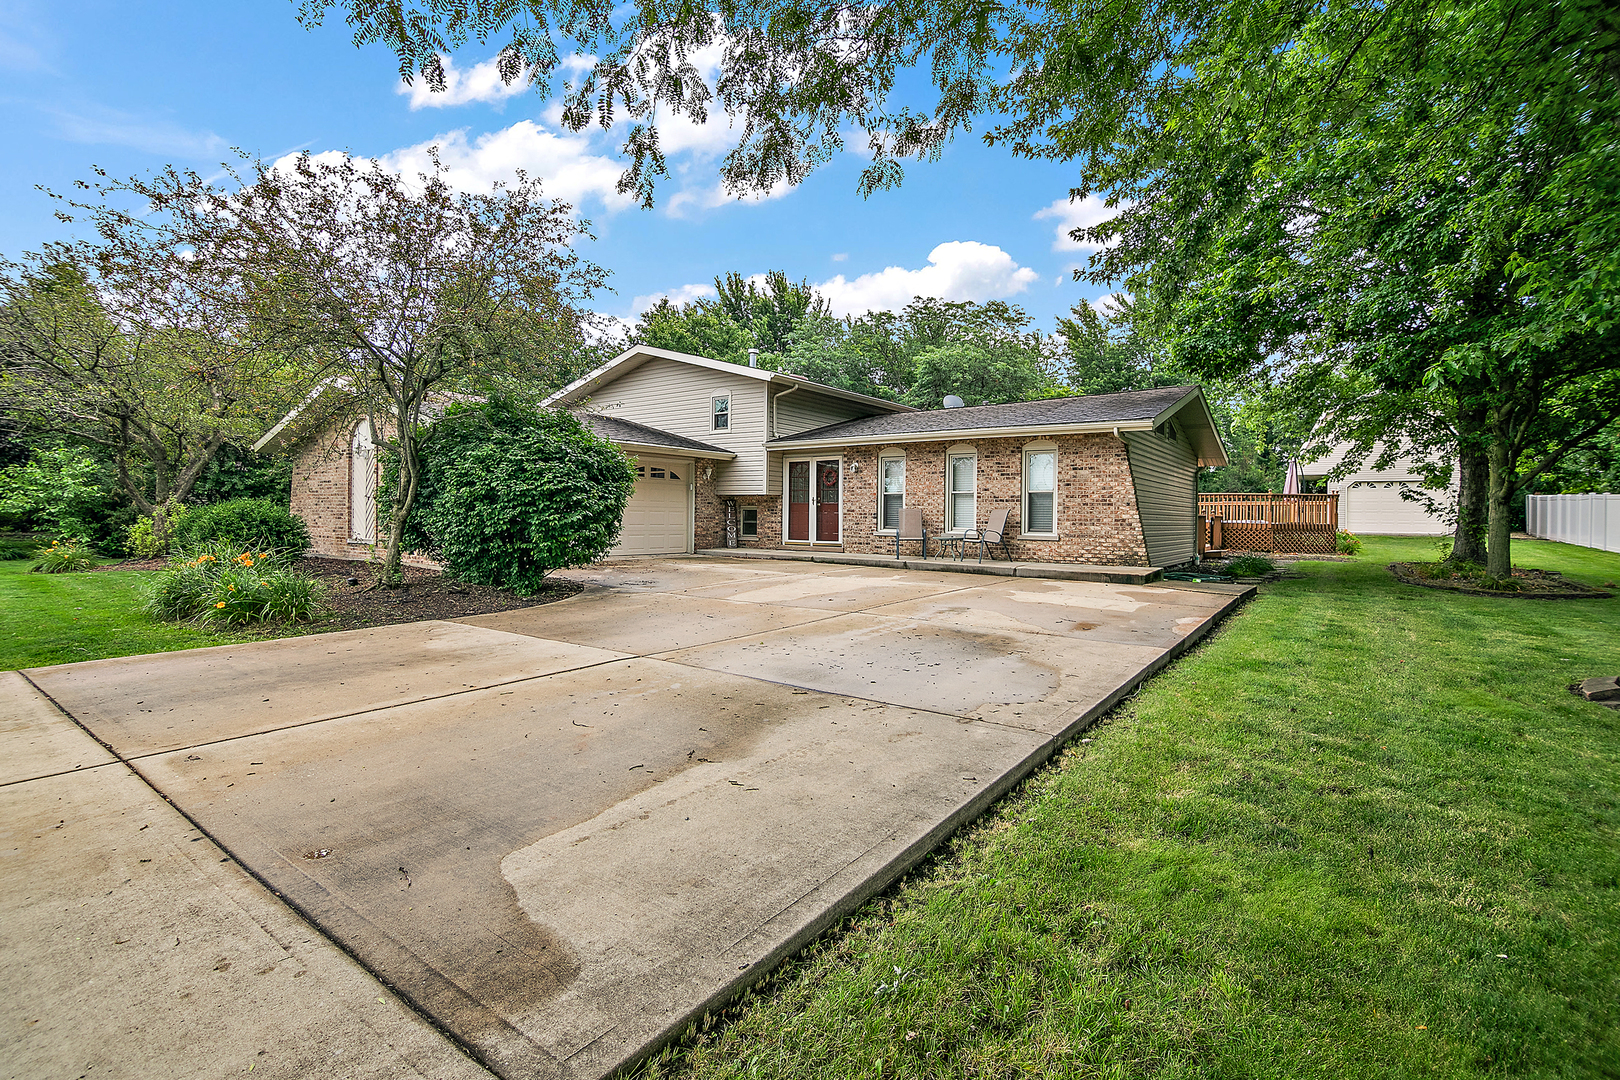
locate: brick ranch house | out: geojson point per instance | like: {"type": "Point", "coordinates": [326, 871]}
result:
{"type": "Point", "coordinates": [734, 456]}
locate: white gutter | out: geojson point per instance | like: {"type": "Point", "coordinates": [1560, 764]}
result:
{"type": "Point", "coordinates": [953, 434]}
{"type": "Point", "coordinates": [672, 451]}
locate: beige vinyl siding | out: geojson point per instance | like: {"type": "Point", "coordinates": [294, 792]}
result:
{"type": "Point", "coordinates": [802, 410]}
{"type": "Point", "coordinates": [676, 397]}
{"type": "Point", "coordinates": [1165, 474]}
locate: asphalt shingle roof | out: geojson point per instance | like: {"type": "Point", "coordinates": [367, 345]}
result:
{"type": "Point", "coordinates": [628, 431]}
{"type": "Point", "coordinates": [1053, 412]}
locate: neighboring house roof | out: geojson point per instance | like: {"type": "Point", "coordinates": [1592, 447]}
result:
{"type": "Point", "coordinates": [1137, 410]}
{"type": "Point", "coordinates": [331, 400]}
{"type": "Point", "coordinates": [1400, 464]}
{"type": "Point", "coordinates": [633, 436]}
{"type": "Point", "coordinates": [637, 355]}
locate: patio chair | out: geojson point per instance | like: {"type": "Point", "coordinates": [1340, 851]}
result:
{"type": "Point", "coordinates": [994, 532]}
{"type": "Point", "coordinates": [911, 528]}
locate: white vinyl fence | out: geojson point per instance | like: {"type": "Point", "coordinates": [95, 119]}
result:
{"type": "Point", "coordinates": [1588, 520]}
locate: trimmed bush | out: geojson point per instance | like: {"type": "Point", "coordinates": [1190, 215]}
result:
{"type": "Point", "coordinates": [508, 495]}
{"type": "Point", "coordinates": [222, 583]}
{"type": "Point", "coordinates": [245, 524]}
{"type": "Point", "coordinates": [64, 557]}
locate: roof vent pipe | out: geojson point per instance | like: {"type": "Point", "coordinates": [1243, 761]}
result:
{"type": "Point", "coordinates": [953, 402]}
{"type": "Point", "coordinates": [753, 358]}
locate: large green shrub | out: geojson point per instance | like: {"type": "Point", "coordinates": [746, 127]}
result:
{"type": "Point", "coordinates": [508, 495]}
{"type": "Point", "coordinates": [221, 582]}
{"type": "Point", "coordinates": [257, 524]}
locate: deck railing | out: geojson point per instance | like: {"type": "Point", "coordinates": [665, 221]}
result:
{"type": "Point", "coordinates": [1240, 520]}
{"type": "Point", "coordinates": [1271, 509]}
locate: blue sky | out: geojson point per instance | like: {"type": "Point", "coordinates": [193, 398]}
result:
{"type": "Point", "coordinates": [130, 87]}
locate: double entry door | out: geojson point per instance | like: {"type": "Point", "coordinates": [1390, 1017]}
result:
{"type": "Point", "coordinates": [814, 495]}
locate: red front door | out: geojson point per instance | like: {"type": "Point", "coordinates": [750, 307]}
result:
{"type": "Point", "coordinates": [827, 501]}
{"type": "Point", "coordinates": [798, 500]}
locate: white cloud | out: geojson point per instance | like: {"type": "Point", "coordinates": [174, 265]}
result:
{"type": "Point", "coordinates": [956, 270]}
{"type": "Point", "coordinates": [683, 295]}
{"type": "Point", "coordinates": [481, 82]}
{"type": "Point", "coordinates": [162, 138]}
{"type": "Point", "coordinates": [565, 164]}
{"type": "Point", "coordinates": [842, 256]}
{"type": "Point", "coordinates": [707, 198]}
{"type": "Point", "coordinates": [1083, 214]}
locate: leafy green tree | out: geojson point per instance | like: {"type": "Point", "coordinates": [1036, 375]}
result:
{"type": "Point", "coordinates": [401, 290]}
{"type": "Point", "coordinates": [700, 329]}
{"type": "Point", "coordinates": [125, 345]}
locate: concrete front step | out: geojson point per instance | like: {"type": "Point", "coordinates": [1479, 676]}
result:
{"type": "Point", "coordinates": [1119, 575]}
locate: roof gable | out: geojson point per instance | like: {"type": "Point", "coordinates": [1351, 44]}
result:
{"type": "Point", "coordinates": [637, 355]}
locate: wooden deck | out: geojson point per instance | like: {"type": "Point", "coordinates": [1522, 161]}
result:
{"type": "Point", "coordinates": [1250, 522]}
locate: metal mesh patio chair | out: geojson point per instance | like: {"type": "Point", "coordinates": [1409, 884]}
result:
{"type": "Point", "coordinates": [911, 528]}
{"type": "Point", "coordinates": [994, 532]}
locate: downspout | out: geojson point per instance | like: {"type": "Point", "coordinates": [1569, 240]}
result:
{"type": "Point", "coordinates": [775, 414]}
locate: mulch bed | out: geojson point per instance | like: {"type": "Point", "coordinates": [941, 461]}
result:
{"type": "Point", "coordinates": [354, 601]}
{"type": "Point", "coordinates": [1533, 584]}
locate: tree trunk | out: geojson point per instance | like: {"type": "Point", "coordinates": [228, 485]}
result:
{"type": "Point", "coordinates": [1503, 484]}
{"type": "Point", "coordinates": [1474, 485]}
{"type": "Point", "coordinates": [404, 500]}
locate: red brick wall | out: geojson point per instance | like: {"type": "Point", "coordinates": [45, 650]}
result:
{"type": "Point", "coordinates": [320, 493]}
{"type": "Point", "coordinates": [1096, 514]}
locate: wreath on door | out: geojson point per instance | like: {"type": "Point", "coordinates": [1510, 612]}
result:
{"type": "Point", "coordinates": [829, 478]}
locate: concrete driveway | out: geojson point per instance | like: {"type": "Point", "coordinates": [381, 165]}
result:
{"type": "Point", "coordinates": [561, 832]}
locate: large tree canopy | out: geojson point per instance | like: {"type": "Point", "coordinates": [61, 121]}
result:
{"type": "Point", "coordinates": [401, 290]}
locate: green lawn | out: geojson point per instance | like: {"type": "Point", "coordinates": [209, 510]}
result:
{"type": "Point", "coordinates": [1364, 831]}
{"type": "Point", "coordinates": [61, 618]}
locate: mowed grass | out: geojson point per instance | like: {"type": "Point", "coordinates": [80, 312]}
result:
{"type": "Point", "coordinates": [1363, 831]}
{"type": "Point", "coordinates": [63, 618]}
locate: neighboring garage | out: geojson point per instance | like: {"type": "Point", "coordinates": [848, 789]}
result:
{"type": "Point", "coordinates": [658, 519]}
{"type": "Point", "coordinates": [1370, 498]}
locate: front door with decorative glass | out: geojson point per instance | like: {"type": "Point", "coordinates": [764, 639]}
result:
{"type": "Point", "coordinates": [814, 490]}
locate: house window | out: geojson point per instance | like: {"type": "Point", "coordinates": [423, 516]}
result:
{"type": "Point", "coordinates": [961, 509]}
{"type": "Point", "coordinates": [1040, 491]}
{"type": "Point", "coordinates": [750, 523]}
{"type": "Point", "coordinates": [893, 472]}
{"type": "Point", "coordinates": [721, 404]}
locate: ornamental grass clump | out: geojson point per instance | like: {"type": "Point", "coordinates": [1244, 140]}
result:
{"type": "Point", "coordinates": [1250, 566]}
{"type": "Point", "coordinates": [67, 556]}
{"type": "Point", "coordinates": [220, 583]}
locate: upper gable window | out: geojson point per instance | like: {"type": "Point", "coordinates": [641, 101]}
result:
{"type": "Point", "coordinates": [720, 411]}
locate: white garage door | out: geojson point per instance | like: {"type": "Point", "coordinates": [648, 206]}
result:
{"type": "Point", "coordinates": [657, 520]}
{"type": "Point", "coordinates": [1376, 506]}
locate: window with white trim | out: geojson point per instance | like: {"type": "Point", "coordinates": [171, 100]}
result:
{"type": "Point", "coordinates": [961, 492]}
{"type": "Point", "coordinates": [1040, 492]}
{"type": "Point", "coordinates": [892, 491]}
{"type": "Point", "coordinates": [720, 406]}
{"type": "Point", "coordinates": [750, 523]}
